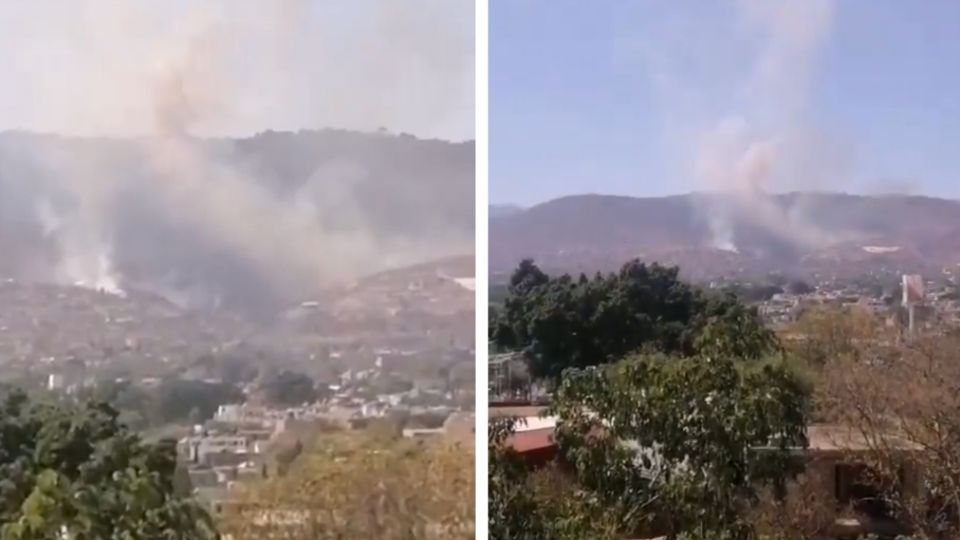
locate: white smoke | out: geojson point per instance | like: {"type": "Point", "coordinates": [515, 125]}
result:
{"type": "Point", "coordinates": [83, 261]}
{"type": "Point", "coordinates": [768, 145]}
{"type": "Point", "coordinates": [172, 73]}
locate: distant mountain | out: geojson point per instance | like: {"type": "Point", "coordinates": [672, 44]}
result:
{"type": "Point", "coordinates": [502, 210]}
{"type": "Point", "coordinates": [258, 221]}
{"type": "Point", "coordinates": [441, 287]}
{"type": "Point", "coordinates": [427, 303]}
{"type": "Point", "coordinates": [728, 235]}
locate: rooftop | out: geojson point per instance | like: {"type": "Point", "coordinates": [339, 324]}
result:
{"type": "Point", "coordinates": [829, 437]}
{"type": "Point", "coordinates": [526, 441]}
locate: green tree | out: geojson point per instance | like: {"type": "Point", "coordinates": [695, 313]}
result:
{"type": "Point", "coordinates": [755, 292]}
{"type": "Point", "coordinates": [730, 329]}
{"type": "Point", "coordinates": [72, 471]}
{"type": "Point", "coordinates": [564, 322]}
{"type": "Point", "coordinates": [182, 400]}
{"type": "Point", "coordinates": [237, 369]}
{"type": "Point", "coordinates": [799, 287]}
{"type": "Point", "coordinates": [681, 445]}
{"type": "Point", "coordinates": [538, 505]}
{"type": "Point", "coordinates": [288, 388]}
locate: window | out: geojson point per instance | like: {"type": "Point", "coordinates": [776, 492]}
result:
{"type": "Point", "coordinates": [853, 487]}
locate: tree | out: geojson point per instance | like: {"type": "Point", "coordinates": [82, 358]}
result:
{"type": "Point", "coordinates": [681, 445]}
{"type": "Point", "coordinates": [727, 328]}
{"type": "Point", "coordinates": [755, 292]}
{"type": "Point", "coordinates": [526, 277]}
{"type": "Point", "coordinates": [288, 388]}
{"type": "Point", "coordinates": [902, 411]}
{"type": "Point", "coordinates": [540, 505]}
{"type": "Point", "coordinates": [172, 401]}
{"type": "Point", "coordinates": [362, 484]}
{"type": "Point", "coordinates": [181, 400]}
{"type": "Point", "coordinates": [800, 512]}
{"type": "Point", "coordinates": [799, 287]}
{"type": "Point", "coordinates": [285, 456]}
{"type": "Point", "coordinates": [72, 471]}
{"type": "Point", "coordinates": [237, 369]}
{"type": "Point", "coordinates": [564, 322]}
{"type": "Point", "coordinates": [824, 335]}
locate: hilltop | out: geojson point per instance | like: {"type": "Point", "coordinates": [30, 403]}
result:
{"type": "Point", "coordinates": [255, 222]}
{"type": "Point", "coordinates": [824, 234]}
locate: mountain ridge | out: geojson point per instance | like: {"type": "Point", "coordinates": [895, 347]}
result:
{"type": "Point", "coordinates": [809, 233]}
{"type": "Point", "coordinates": [260, 221]}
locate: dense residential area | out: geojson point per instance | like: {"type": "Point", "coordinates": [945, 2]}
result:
{"type": "Point", "coordinates": [241, 403]}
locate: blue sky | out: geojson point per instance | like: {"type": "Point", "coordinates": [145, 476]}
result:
{"type": "Point", "coordinates": [618, 97]}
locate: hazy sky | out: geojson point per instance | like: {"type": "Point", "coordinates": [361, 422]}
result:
{"type": "Point", "coordinates": [230, 67]}
{"type": "Point", "coordinates": [629, 97]}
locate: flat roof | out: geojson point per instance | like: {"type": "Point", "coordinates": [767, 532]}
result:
{"type": "Point", "coordinates": [831, 437]}
{"type": "Point", "coordinates": [527, 441]}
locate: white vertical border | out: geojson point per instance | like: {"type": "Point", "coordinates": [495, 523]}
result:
{"type": "Point", "coordinates": [482, 272]}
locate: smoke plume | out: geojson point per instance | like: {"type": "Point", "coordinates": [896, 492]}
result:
{"type": "Point", "coordinates": [767, 146]}
{"type": "Point", "coordinates": [736, 100]}
{"type": "Point", "coordinates": [148, 86]}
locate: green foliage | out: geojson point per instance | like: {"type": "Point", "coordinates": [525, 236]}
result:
{"type": "Point", "coordinates": [237, 370]}
{"type": "Point", "coordinates": [730, 329]}
{"type": "Point", "coordinates": [681, 445]}
{"type": "Point", "coordinates": [132, 401]}
{"type": "Point", "coordinates": [288, 388]}
{"type": "Point", "coordinates": [799, 287]}
{"type": "Point", "coordinates": [171, 401]}
{"type": "Point", "coordinates": [565, 323]}
{"type": "Point", "coordinates": [74, 472]}
{"type": "Point", "coordinates": [175, 399]}
{"type": "Point", "coordinates": [538, 505]}
{"type": "Point", "coordinates": [754, 292]}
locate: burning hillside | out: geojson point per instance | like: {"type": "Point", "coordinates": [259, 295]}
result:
{"type": "Point", "coordinates": [261, 221]}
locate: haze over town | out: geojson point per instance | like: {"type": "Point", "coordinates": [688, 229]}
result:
{"type": "Point", "coordinates": [243, 233]}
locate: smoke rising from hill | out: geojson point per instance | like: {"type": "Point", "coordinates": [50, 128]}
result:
{"type": "Point", "coordinates": [166, 206]}
{"type": "Point", "coordinates": [736, 100]}
{"type": "Point", "coordinates": [768, 146]}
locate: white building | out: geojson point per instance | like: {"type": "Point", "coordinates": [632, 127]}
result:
{"type": "Point", "coordinates": [55, 381]}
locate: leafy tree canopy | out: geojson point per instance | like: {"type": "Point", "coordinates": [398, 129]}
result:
{"type": "Point", "coordinates": [799, 287]}
{"type": "Point", "coordinates": [288, 388]}
{"type": "Point", "coordinates": [173, 400]}
{"type": "Point", "coordinates": [73, 472]}
{"type": "Point", "coordinates": [565, 322]}
{"type": "Point", "coordinates": [538, 505]}
{"type": "Point", "coordinates": [681, 445]}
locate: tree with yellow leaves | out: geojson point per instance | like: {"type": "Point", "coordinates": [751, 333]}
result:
{"type": "Point", "coordinates": [362, 484]}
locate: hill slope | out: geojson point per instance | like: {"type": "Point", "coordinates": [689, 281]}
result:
{"type": "Point", "coordinates": [714, 235]}
{"type": "Point", "coordinates": [257, 221]}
